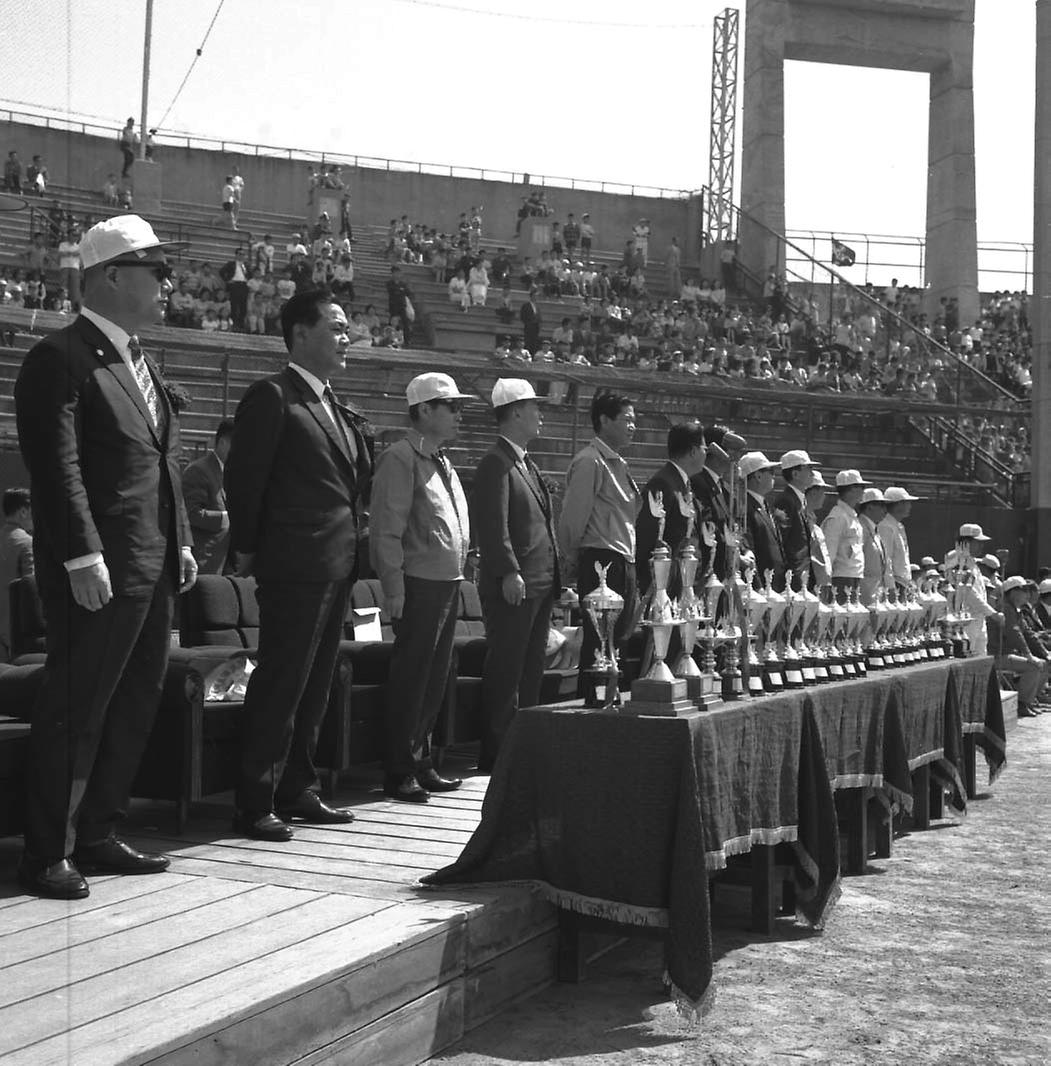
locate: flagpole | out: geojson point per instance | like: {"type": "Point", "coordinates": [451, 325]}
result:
{"type": "Point", "coordinates": [145, 78]}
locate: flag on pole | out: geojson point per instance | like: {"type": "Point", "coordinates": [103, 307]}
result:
{"type": "Point", "coordinates": [842, 255]}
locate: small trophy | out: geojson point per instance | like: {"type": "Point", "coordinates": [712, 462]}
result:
{"type": "Point", "coordinates": [691, 611]}
{"type": "Point", "coordinates": [708, 638]}
{"type": "Point", "coordinates": [773, 666]}
{"type": "Point", "coordinates": [757, 611]}
{"type": "Point", "coordinates": [602, 608]}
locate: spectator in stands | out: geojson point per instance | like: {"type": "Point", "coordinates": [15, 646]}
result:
{"type": "Point", "coordinates": [238, 184]}
{"type": "Point", "coordinates": [401, 301]}
{"type": "Point", "coordinates": [110, 191]}
{"type": "Point", "coordinates": [571, 235]}
{"type": "Point", "coordinates": [343, 277]}
{"type": "Point", "coordinates": [641, 233]}
{"type": "Point", "coordinates": [295, 246]}
{"type": "Point", "coordinates": [457, 291]}
{"type": "Point", "coordinates": [36, 176]}
{"type": "Point", "coordinates": [672, 261]}
{"type": "Point", "coordinates": [301, 273]}
{"type": "Point", "coordinates": [16, 556]}
{"type": "Point", "coordinates": [128, 139]}
{"type": "Point", "coordinates": [263, 254]}
{"type": "Point", "coordinates": [37, 256]}
{"type": "Point", "coordinates": [235, 276]}
{"type": "Point", "coordinates": [255, 320]}
{"type": "Point", "coordinates": [205, 498]}
{"type": "Point", "coordinates": [228, 204]}
{"type": "Point", "coordinates": [359, 333]}
{"type": "Point", "coordinates": [419, 540]}
{"type": "Point", "coordinates": [124, 199]}
{"type": "Point", "coordinates": [532, 321]}
{"type": "Point", "coordinates": [69, 264]}
{"type": "Point", "coordinates": [478, 285]}
{"type": "Point", "coordinates": [587, 237]}
{"type": "Point", "coordinates": [151, 147]}
{"type": "Point", "coordinates": [14, 173]}
{"type": "Point", "coordinates": [345, 228]}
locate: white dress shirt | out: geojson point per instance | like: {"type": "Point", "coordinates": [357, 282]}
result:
{"type": "Point", "coordinates": [844, 537]}
{"type": "Point", "coordinates": [318, 387]}
{"type": "Point", "coordinates": [896, 543]}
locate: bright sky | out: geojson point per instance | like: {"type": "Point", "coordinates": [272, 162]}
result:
{"type": "Point", "coordinates": [579, 89]}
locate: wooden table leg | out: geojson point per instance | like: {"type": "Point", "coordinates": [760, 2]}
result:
{"type": "Point", "coordinates": [937, 796]}
{"type": "Point", "coordinates": [921, 797]}
{"type": "Point", "coordinates": [851, 801]}
{"type": "Point", "coordinates": [883, 837]}
{"type": "Point", "coordinates": [762, 889]}
{"type": "Point", "coordinates": [970, 770]}
{"type": "Point", "coordinates": [571, 962]}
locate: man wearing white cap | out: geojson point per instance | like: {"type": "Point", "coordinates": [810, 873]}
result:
{"type": "Point", "coordinates": [797, 530]}
{"type": "Point", "coordinates": [870, 510]}
{"type": "Point", "coordinates": [968, 578]}
{"type": "Point", "coordinates": [712, 492]}
{"type": "Point", "coordinates": [100, 438]}
{"type": "Point", "coordinates": [295, 480]}
{"type": "Point", "coordinates": [518, 569]}
{"type": "Point", "coordinates": [820, 560]}
{"type": "Point", "coordinates": [1043, 605]}
{"type": "Point", "coordinates": [762, 533]}
{"type": "Point", "coordinates": [844, 535]}
{"type": "Point", "coordinates": [1017, 653]}
{"type": "Point", "coordinates": [892, 531]}
{"type": "Point", "coordinates": [419, 536]}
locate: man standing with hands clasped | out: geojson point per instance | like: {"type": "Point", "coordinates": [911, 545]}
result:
{"type": "Point", "coordinates": [297, 479]}
{"type": "Point", "coordinates": [419, 534]}
{"type": "Point", "coordinates": [519, 573]}
{"type": "Point", "coordinates": [100, 439]}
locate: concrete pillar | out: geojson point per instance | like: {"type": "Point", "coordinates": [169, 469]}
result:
{"type": "Point", "coordinates": [147, 182]}
{"type": "Point", "coordinates": [952, 235]}
{"type": "Point", "coordinates": [763, 136]}
{"type": "Point", "coordinates": [1040, 305]}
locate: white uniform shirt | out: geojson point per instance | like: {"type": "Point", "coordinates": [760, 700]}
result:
{"type": "Point", "coordinates": [844, 537]}
{"type": "Point", "coordinates": [896, 543]}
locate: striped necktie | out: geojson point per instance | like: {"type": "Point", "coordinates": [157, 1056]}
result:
{"type": "Point", "coordinates": [144, 379]}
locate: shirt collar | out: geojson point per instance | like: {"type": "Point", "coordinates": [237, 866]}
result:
{"type": "Point", "coordinates": [801, 495]}
{"type": "Point", "coordinates": [520, 452]}
{"type": "Point", "coordinates": [110, 330]}
{"type": "Point", "coordinates": [605, 450]}
{"type": "Point", "coordinates": [317, 386]}
{"type": "Point", "coordinates": [845, 508]}
{"type": "Point", "coordinates": [760, 499]}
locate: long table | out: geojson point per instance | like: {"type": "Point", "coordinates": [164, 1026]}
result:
{"type": "Point", "coordinates": [624, 818]}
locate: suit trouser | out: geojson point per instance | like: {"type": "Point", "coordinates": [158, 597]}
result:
{"type": "Point", "coordinates": [516, 644]}
{"type": "Point", "coordinates": [621, 577]}
{"type": "Point", "coordinates": [419, 672]}
{"type": "Point", "coordinates": [300, 627]}
{"type": "Point", "coordinates": [102, 686]}
{"type": "Point", "coordinates": [1032, 674]}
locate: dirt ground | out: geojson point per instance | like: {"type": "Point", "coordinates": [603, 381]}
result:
{"type": "Point", "coordinates": [940, 954]}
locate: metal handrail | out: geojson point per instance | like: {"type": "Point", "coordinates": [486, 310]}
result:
{"type": "Point", "coordinates": [181, 138]}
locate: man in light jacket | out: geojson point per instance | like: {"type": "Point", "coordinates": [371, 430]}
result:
{"type": "Point", "coordinates": [419, 534]}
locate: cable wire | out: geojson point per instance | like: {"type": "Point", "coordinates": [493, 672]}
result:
{"type": "Point", "coordinates": [199, 53]}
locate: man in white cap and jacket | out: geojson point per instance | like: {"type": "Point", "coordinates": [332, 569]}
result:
{"type": "Point", "coordinates": [518, 572]}
{"type": "Point", "coordinates": [844, 535]}
{"type": "Point", "coordinates": [892, 531]}
{"type": "Point", "coordinates": [962, 569]}
{"type": "Point", "coordinates": [419, 537]}
{"type": "Point", "coordinates": [870, 510]}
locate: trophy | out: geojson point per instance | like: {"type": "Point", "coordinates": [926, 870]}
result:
{"type": "Point", "coordinates": [708, 637]}
{"type": "Point", "coordinates": [819, 644]}
{"type": "Point", "coordinates": [811, 608]}
{"type": "Point", "coordinates": [730, 632]}
{"type": "Point", "coordinates": [794, 611]}
{"type": "Point", "coordinates": [691, 612]}
{"type": "Point", "coordinates": [859, 630]}
{"type": "Point", "coordinates": [659, 692]}
{"type": "Point", "coordinates": [837, 616]}
{"type": "Point", "coordinates": [757, 611]}
{"type": "Point", "coordinates": [602, 608]}
{"type": "Point", "coordinates": [773, 667]}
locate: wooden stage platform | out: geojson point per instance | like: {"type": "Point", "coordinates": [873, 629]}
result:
{"type": "Point", "coordinates": [316, 951]}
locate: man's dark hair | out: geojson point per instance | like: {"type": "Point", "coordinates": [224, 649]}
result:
{"type": "Point", "coordinates": [303, 308]}
{"type": "Point", "coordinates": [683, 437]}
{"type": "Point", "coordinates": [224, 429]}
{"type": "Point", "coordinates": [15, 500]}
{"type": "Point", "coordinates": [610, 404]}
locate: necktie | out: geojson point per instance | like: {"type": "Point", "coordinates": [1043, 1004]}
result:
{"type": "Point", "coordinates": [143, 379]}
{"type": "Point", "coordinates": [329, 404]}
{"type": "Point", "coordinates": [534, 473]}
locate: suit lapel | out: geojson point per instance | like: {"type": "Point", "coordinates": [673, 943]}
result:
{"type": "Point", "coordinates": [520, 467]}
{"type": "Point", "coordinates": [111, 359]}
{"type": "Point", "coordinates": [317, 409]}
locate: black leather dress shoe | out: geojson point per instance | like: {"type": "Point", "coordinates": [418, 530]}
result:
{"type": "Point", "coordinates": [261, 825]}
{"type": "Point", "coordinates": [431, 781]}
{"type": "Point", "coordinates": [1026, 711]}
{"type": "Point", "coordinates": [116, 856]}
{"type": "Point", "coordinates": [406, 789]}
{"type": "Point", "coordinates": [310, 807]}
{"type": "Point", "coordinates": [57, 880]}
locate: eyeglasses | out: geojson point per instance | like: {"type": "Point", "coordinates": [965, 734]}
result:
{"type": "Point", "coordinates": [161, 271]}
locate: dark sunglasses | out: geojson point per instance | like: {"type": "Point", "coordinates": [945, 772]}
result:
{"type": "Point", "coordinates": [161, 271]}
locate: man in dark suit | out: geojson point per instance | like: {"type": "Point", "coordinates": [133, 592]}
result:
{"type": "Point", "coordinates": [791, 513]}
{"type": "Point", "coordinates": [202, 489]}
{"type": "Point", "coordinates": [713, 494]}
{"type": "Point", "coordinates": [100, 439]}
{"type": "Point", "coordinates": [686, 456]}
{"type": "Point", "coordinates": [532, 322]}
{"type": "Point", "coordinates": [296, 479]}
{"type": "Point", "coordinates": [401, 302]}
{"type": "Point", "coordinates": [518, 569]}
{"type": "Point", "coordinates": [761, 532]}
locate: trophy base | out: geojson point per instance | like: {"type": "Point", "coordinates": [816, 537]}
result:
{"type": "Point", "coordinates": [658, 709]}
{"type": "Point", "coordinates": [732, 685]}
{"type": "Point", "coordinates": [649, 690]}
{"type": "Point", "coordinates": [755, 685]}
{"type": "Point", "coordinates": [693, 686]}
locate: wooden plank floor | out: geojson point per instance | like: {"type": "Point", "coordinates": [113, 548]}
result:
{"type": "Point", "coordinates": [319, 950]}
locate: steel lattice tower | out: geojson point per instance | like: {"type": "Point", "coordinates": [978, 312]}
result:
{"type": "Point", "coordinates": [723, 126]}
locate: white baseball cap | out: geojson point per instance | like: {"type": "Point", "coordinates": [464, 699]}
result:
{"type": "Point", "coordinates": [750, 462]}
{"type": "Point", "coordinates": [796, 458]}
{"type": "Point", "coordinates": [972, 530]}
{"type": "Point", "coordinates": [897, 495]}
{"type": "Point", "coordinates": [850, 477]}
{"type": "Point", "coordinates": [990, 561]}
{"type": "Point", "coordinates": [872, 496]}
{"type": "Point", "coordinates": [1044, 588]}
{"type": "Point", "coordinates": [1013, 583]}
{"type": "Point", "coordinates": [425, 387]}
{"type": "Point", "coordinates": [928, 560]}
{"type": "Point", "coordinates": [816, 479]}
{"type": "Point", "coordinates": [128, 237]}
{"type": "Point", "coordinates": [511, 390]}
